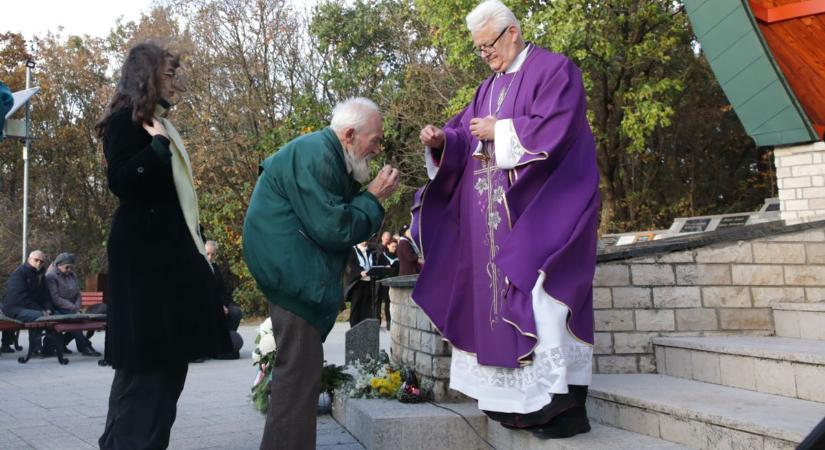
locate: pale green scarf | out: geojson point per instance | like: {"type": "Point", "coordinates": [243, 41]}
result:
{"type": "Point", "coordinates": [184, 181]}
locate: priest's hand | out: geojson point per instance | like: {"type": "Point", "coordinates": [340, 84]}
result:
{"type": "Point", "coordinates": [384, 183]}
{"type": "Point", "coordinates": [155, 128]}
{"type": "Point", "coordinates": [432, 137]}
{"type": "Point", "coordinates": [483, 129]}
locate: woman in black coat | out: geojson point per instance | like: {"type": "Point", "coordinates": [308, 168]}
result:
{"type": "Point", "coordinates": [162, 305]}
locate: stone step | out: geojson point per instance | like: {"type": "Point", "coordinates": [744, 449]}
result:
{"type": "Point", "coordinates": [389, 424]}
{"type": "Point", "coordinates": [701, 415]}
{"type": "Point", "coordinates": [799, 320]}
{"type": "Point", "coordinates": [783, 366]}
{"type": "Point", "coordinates": [600, 437]}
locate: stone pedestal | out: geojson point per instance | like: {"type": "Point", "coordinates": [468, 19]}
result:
{"type": "Point", "coordinates": [800, 173]}
{"type": "Point", "coordinates": [416, 343]}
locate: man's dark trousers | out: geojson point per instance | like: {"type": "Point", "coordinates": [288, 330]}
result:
{"type": "Point", "coordinates": [296, 383]}
{"type": "Point", "coordinates": [35, 335]}
{"type": "Point", "coordinates": [233, 317]}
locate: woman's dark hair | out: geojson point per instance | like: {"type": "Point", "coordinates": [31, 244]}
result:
{"type": "Point", "coordinates": [139, 87]}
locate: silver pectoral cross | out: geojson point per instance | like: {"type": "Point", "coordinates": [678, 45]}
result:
{"type": "Point", "coordinates": [483, 152]}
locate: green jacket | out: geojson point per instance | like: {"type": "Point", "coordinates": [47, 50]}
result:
{"type": "Point", "coordinates": [305, 215]}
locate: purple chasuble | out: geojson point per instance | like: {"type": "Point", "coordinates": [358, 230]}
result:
{"type": "Point", "coordinates": [488, 228]}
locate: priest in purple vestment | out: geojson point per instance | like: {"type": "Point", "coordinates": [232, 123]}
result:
{"type": "Point", "coordinates": [507, 225]}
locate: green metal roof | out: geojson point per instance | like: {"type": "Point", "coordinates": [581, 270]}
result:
{"type": "Point", "coordinates": [748, 73]}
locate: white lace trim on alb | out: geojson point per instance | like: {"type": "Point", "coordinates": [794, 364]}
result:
{"type": "Point", "coordinates": [559, 360]}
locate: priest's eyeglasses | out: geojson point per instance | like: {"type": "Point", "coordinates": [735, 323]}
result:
{"type": "Point", "coordinates": [486, 49]}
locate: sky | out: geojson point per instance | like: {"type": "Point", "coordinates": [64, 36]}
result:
{"type": "Point", "coordinates": [78, 17]}
{"type": "Point", "coordinates": [93, 17]}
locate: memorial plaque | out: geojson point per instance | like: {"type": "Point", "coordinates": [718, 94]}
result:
{"type": "Point", "coordinates": [733, 221]}
{"type": "Point", "coordinates": [772, 207]}
{"type": "Point", "coordinates": [695, 225]}
{"type": "Point", "coordinates": [362, 341]}
{"type": "Point", "coordinates": [626, 240]}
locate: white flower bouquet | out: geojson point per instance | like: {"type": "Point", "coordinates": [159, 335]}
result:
{"type": "Point", "coordinates": [263, 356]}
{"type": "Point", "coordinates": [381, 378]}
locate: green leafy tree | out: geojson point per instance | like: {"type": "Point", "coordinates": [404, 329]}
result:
{"type": "Point", "coordinates": [262, 72]}
{"type": "Point", "coordinates": [629, 52]}
{"type": "Point", "coordinates": [69, 204]}
{"type": "Point", "coordinates": [646, 86]}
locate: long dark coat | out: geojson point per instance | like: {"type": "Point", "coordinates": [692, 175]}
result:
{"type": "Point", "coordinates": [163, 304]}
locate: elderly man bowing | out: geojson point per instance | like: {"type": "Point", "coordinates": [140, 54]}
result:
{"type": "Point", "coordinates": [307, 211]}
{"type": "Point", "coordinates": [507, 225]}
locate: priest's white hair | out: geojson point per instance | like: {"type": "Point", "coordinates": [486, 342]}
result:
{"type": "Point", "coordinates": [491, 12]}
{"type": "Point", "coordinates": [352, 113]}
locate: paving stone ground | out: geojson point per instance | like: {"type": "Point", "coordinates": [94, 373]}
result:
{"type": "Point", "coordinates": [44, 405]}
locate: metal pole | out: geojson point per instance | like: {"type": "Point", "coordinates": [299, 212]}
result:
{"type": "Point", "coordinates": [29, 67]}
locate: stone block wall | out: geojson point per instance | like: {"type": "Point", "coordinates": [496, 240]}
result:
{"type": "Point", "coordinates": [416, 343]}
{"type": "Point", "coordinates": [800, 173]}
{"type": "Point", "coordinates": [721, 289]}
{"type": "Point", "coordinates": [710, 286]}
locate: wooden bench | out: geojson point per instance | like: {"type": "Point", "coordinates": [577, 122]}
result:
{"type": "Point", "coordinates": [48, 335]}
{"type": "Point", "coordinates": [89, 326]}
{"type": "Point", "coordinates": [88, 299]}
{"type": "Point", "coordinates": [9, 324]}
{"type": "Point", "coordinates": [53, 327]}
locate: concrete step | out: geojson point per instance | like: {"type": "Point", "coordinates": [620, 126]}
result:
{"type": "Point", "coordinates": [701, 415]}
{"type": "Point", "coordinates": [600, 437]}
{"type": "Point", "coordinates": [389, 424]}
{"type": "Point", "coordinates": [783, 366]}
{"type": "Point", "coordinates": [799, 320]}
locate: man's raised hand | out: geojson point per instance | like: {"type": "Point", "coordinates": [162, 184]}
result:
{"type": "Point", "coordinates": [432, 137]}
{"type": "Point", "coordinates": [384, 183]}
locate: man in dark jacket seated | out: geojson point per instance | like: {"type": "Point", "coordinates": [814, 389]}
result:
{"type": "Point", "coordinates": [27, 297]}
{"type": "Point", "coordinates": [230, 308]}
